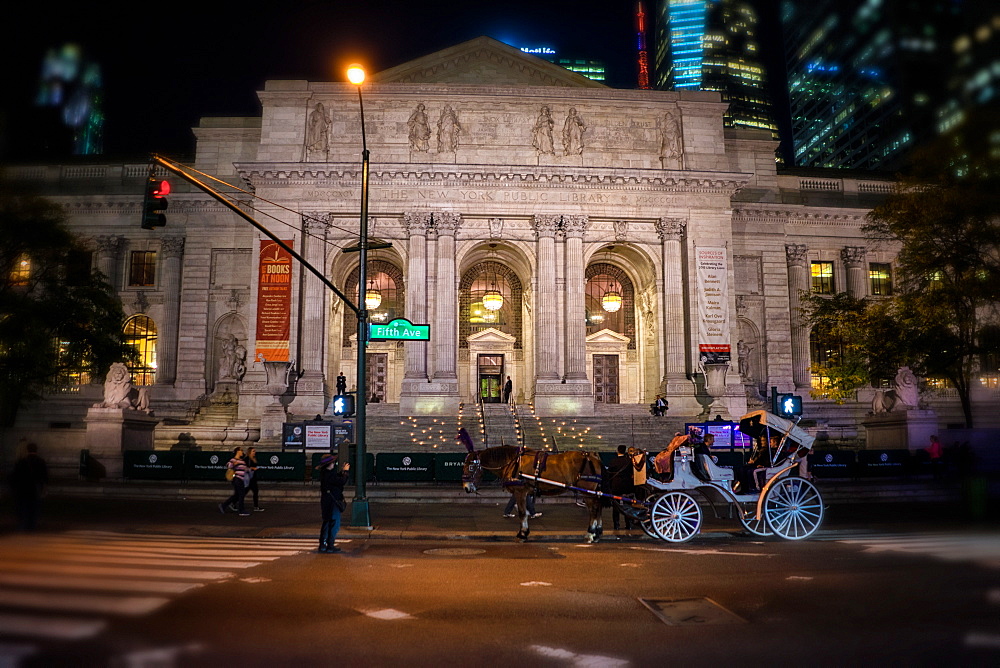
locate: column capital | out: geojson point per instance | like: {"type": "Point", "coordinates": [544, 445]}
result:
{"type": "Point", "coordinates": [446, 222]}
{"type": "Point", "coordinates": [854, 256]}
{"type": "Point", "coordinates": [671, 228]}
{"type": "Point", "coordinates": [575, 226]}
{"type": "Point", "coordinates": [108, 244]}
{"type": "Point", "coordinates": [172, 246]}
{"type": "Point", "coordinates": [546, 224]}
{"type": "Point", "coordinates": [796, 255]}
{"type": "Point", "coordinates": [316, 222]}
{"type": "Point", "coordinates": [416, 222]}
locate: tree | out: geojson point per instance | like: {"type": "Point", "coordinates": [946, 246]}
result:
{"type": "Point", "coordinates": [57, 315]}
{"type": "Point", "coordinates": [946, 287]}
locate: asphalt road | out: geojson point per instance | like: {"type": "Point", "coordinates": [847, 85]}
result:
{"type": "Point", "coordinates": [117, 592]}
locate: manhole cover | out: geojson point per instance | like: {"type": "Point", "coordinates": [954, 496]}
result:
{"type": "Point", "coordinates": [454, 551]}
{"type": "Point", "coordinates": [690, 611]}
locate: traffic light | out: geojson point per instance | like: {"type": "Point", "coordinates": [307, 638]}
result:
{"type": "Point", "coordinates": [788, 405]}
{"type": "Point", "coordinates": [343, 405]}
{"type": "Point", "coordinates": [154, 203]}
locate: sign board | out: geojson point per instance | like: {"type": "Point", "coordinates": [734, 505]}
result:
{"type": "Point", "coordinates": [206, 465]}
{"type": "Point", "coordinates": [281, 466]}
{"type": "Point", "coordinates": [448, 466]}
{"type": "Point", "coordinates": [832, 463]}
{"type": "Point", "coordinates": [712, 267]}
{"type": "Point", "coordinates": [318, 435]}
{"type": "Point", "coordinates": [398, 467]}
{"type": "Point", "coordinates": [293, 436]}
{"type": "Point", "coordinates": [153, 464]}
{"type": "Point", "coordinates": [274, 301]}
{"type": "Point", "coordinates": [399, 329]}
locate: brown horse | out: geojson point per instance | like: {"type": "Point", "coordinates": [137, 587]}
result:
{"type": "Point", "coordinates": [569, 469]}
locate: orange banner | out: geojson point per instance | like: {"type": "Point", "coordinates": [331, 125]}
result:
{"type": "Point", "coordinates": [274, 302]}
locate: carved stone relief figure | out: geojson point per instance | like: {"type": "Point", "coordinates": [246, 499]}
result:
{"type": "Point", "coordinates": [448, 130]}
{"type": "Point", "coordinates": [420, 131]}
{"type": "Point", "coordinates": [671, 141]}
{"type": "Point", "coordinates": [318, 134]}
{"type": "Point", "coordinates": [496, 228]}
{"type": "Point", "coordinates": [743, 360]}
{"type": "Point", "coordinates": [541, 134]}
{"type": "Point", "coordinates": [233, 361]}
{"type": "Point", "coordinates": [572, 135]}
{"type": "Point", "coordinates": [621, 230]}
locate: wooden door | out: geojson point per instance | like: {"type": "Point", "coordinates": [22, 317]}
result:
{"type": "Point", "coordinates": [606, 379]}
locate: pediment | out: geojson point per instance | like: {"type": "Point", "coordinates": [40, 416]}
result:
{"type": "Point", "coordinates": [607, 336]}
{"type": "Point", "coordinates": [487, 62]}
{"type": "Point", "coordinates": [491, 335]}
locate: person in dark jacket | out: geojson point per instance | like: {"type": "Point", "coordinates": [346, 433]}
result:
{"type": "Point", "coordinates": [241, 476]}
{"type": "Point", "coordinates": [620, 483]}
{"type": "Point", "coordinates": [331, 500]}
{"type": "Point", "coordinates": [251, 459]}
{"type": "Point", "coordinates": [28, 479]}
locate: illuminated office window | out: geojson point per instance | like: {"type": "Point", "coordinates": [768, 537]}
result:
{"type": "Point", "coordinates": [880, 277]}
{"type": "Point", "coordinates": [822, 278]}
{"type": "Point", "coordinates": [142, 269]}
{"type": "Point", "coordinates": [140, 333]}
{"type": "Point", "coordinates": [21, 273]}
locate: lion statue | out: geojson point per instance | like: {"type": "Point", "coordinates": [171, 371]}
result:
{"type": "Point", "coordinates": [905, 394]}
{"type": "Point", "coordinates": [117, 387]}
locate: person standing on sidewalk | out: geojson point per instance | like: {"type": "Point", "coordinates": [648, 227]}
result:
{"type": "Point", "coordinates": [238, 466]}
{"type": "Point", "coordinates": [331, 500]}
{"type": "Point", "coordinates": [621, 482]}
{"type": "Point", "coordinates": [508, 389]}
{"type": "Point", "coordinates": [529, 507]}
{"type": "Point", "coordinates": [28, 479]}
{"type": "Point", "coordinates": [251, 461]}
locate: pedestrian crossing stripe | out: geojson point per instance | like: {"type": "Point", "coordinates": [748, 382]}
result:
{"type": "Point", "coordinates": [946, 546]}
{"type": "Point", "coordinates": [66, 586]}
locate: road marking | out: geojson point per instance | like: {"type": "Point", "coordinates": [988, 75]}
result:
{"type": "Point", "coordinates": [946, 546]}
{"type": "Point", "coordinates": [48, 581]}
{"type": "Point", "coordinates": [798, 577]}
{"type": "Point", "coordinates": [74, 569]}
{"type": "Point", "coordinates": [704, 552]}
{"type": "Point", "coordinates": [109, 605]}
{"type": "Point", "coordinates": [388, 614]}
{"type": "Point", "coordinates": [536, 584]}
{"type": "Point", "coordinates": [580, 660]}
{"type": "Point", "coordinates": [57, 628]}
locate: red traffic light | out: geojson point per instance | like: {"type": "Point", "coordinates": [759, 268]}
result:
{"type": "Point", "coordinates": [164, 189]}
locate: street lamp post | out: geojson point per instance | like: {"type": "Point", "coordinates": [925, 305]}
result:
{"type": "Point", "coordinates": [360, 514]}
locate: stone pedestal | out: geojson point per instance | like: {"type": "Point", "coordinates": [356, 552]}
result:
{"type": "Point", "coordinates": [111, 431]}
{"type": "Point", "coordinates": [438, 397]}
{"type": "Point", "coordinates": [555, 398]}
{"type": "Point", "coordinates": [898, 430]}
{"type": "Point", "coordinates": [715, 385]}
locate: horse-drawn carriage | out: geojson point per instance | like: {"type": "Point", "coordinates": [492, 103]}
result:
{"type": "Point", "coordinates": [787, 504]}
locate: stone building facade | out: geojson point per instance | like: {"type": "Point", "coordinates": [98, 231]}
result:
{"type": "Point", "coordinates": [491, 172]}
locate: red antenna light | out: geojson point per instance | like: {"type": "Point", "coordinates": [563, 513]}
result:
{"type": "Point", "coordinates": [643, 59]}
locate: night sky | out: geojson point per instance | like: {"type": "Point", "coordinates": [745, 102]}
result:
{"type": "Point", "coordinates": [165, 65]}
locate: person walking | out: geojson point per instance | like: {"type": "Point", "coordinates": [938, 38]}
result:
{"type": "Point", "coordinates": [331, 500]}
{"type": "Point", "coordinates": [238, 466]}
{"type": "Point", "coordinates": [28, 479]}
{"type": "Point", "coordinates": [621, 482]}
{"type": "Point", "coordinates": [251, 460]}
{"type": "Point", "coordinates": [508, 388]}
{"type": "Point", "coordinates": [935, 451]}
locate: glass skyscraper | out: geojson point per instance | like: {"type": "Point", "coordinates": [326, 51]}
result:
{"type": "Point", "coordinates": [712, 45]}
{"type": "Point", "coordinates": [866, 78]}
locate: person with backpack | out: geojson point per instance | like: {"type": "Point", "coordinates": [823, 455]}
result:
{"type": "Point", "coordinates": [238, 474]}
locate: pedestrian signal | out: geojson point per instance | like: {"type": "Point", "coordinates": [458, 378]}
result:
{"type": "Point", "coordinates": [343, 405]}
{"type": "Point", "coordinates": [154, 203]}
{"type": "Point", "coordinates": [788, 405]}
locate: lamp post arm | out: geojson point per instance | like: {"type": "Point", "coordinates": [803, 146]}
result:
{"type": "Point", "coordinates": [263, 230]}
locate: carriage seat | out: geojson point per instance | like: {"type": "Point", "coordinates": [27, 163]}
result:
{"type": "Point", "coordinates": [709, 470]}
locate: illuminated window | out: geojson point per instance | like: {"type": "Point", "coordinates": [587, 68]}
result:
{"type": "Point", "coordinates": [880, 276]}
{"type": "Point", "coordinates": [385, 279]}
{"type": "Point", "coordinates": [822, 278]}
{"type": "Point", "coordinates": [935, 279]}
{"type": "Point", "coordinates": [140, 333]}
{"type": "Point", "coordinates": [142, 269]}
{"type": "Point", "coordinates": [825, 349]}
{"type": "Point", "coordinates": [69, 379]}
{"type": "Point", "coordinates": [21, 273]}
{"type": "Point", "coordinates": [489, 278]}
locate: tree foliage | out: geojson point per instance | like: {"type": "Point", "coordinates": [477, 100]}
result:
{"type": "Point", "coordinates": [946, 287]}
{"type": "Point", "coordinates": [57, 315]}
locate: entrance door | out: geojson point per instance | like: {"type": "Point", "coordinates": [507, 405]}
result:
{"type": "Point", "coordinates": [490, 378]}
{"type": "Point", "coordinates": [606, 379]}
{"type": "Point", "coordinates": [377, 365]}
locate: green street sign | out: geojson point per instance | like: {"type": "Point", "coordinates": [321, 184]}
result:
{"type": "Point", "coordinates": [399, 329]}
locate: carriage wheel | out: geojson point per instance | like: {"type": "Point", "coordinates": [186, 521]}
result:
{"type": "Point", "coordinates": [793, 508]}
{"type": "Point", "coordinates": [676, 517]}
{"type": "Point", "coordinates": [755, 526]}
{"type": "Point", "coordinates": [647, 526]}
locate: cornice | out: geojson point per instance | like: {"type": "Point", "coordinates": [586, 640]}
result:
{"type": "Point", "coordinates": [321, 174]}
{"type": "Point", "coordinates": [117, 204]}
{"type": "Point", "coordinates": [799, 215]}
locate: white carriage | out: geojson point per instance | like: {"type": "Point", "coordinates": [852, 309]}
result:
{"type": "Point", "coordinates": [787, 505]}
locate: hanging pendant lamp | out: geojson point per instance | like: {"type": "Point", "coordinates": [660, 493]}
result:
{"type": "Point", "coordinates": [612, 299]}
{"type": "Point", "coordinates": [493, 298]}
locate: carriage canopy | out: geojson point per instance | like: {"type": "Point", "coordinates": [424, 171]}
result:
{"type": "Point", "coordinates": [757, 423]}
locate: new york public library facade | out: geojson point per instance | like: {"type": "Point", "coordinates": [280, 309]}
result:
{"type": "Point", "coordinates": [630, 236]}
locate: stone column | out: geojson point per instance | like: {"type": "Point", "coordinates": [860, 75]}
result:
{"type": "Point", "coordinates": [416, 294]}
{"type": "Point", "coordinates": [446, 299]}
{"type": "Point", "coordinates": [546, 303]}
{"type": "Point", "coordinates": [108, 248]}
{"type": "Point", "coordinates": [854, 259]}
{"type": "Point", "coordinates": [172, 249]}
{"type": "Point", "coordinates": [798, 282]}
{"type": "Point", "coordinates": [576, 308]}
{"type": "Point", "coordinates": [672, 315]}
{"type": "Point", "coordinates": [309, 389]}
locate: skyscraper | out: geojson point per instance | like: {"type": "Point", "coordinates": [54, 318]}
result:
{"type": "Point", "coordinates": [866, 77]}
{"type": "Point", "coordinates": [712, 45]}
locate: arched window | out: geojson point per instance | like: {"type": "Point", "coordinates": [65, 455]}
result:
{"type": "Point", "coordinates": [140, 332]}
{"type": "Point", "coordinates": [825, 349]}
{"type": "Point", "coordinates": [610, 301]}
{"type": "Point", "coordinates": [489, 278]}
{"type": "Point", "coordinates": [385, 286]}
